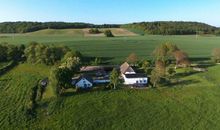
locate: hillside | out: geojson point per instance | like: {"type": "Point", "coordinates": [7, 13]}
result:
{"type": "Point", "coordinates": [80, 32]}
{"type": "Point", "coordinates": [171, 28]}
{"type": "Point", "coordinates": [24, 27]}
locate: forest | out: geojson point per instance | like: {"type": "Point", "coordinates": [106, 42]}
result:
{"type": "Point", "coordinates": [24, 27]}
{"type": "Point", "coordinates": [172, 28]}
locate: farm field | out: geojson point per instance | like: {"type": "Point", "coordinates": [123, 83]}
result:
{"type": "Point", "coordinates": [191, 104]}
{"type": "Point", "coordinates": [118, 48]}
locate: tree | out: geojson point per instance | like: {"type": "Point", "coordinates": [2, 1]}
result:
{"type": "Point", "coordinates": [108, 33]}
{"type": "Point", "coordinates": [146, 66]}
{"type": "Point", "coordinates": [216, 55]}
{"type": "Point", "coordinates": [44, 54]}
{"type": "Point", "coordinates": [60, 79]}
{"type": "Point", "coordinates": [97, 61]}
{"type": "Point", "coordinates": [132, 59]}
{"type": "Point", "coordinates": [160, 68]}
{"type": "Point", "coordinates": [72, 63]}
{"type": "Point", "coordinates": [161, 52]}
{"type": "Point", "coordinates": [114, 78]}
{"type": "Point", "coordinates": [181, 58]}
{"type": "Point", "coordinates": [155, 78]}
{"type": "Point", "coordinates": [165, 51]}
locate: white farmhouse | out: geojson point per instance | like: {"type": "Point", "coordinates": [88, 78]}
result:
{"type": "Point", "coordinates": [82, 82]}
{"type": "Point", "coordinates": [135, 79]}
{"type": "Point", "coordinates": [131, 77]}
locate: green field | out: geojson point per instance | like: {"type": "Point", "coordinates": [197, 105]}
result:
{"type": "Point", "coordinates": [118, 48]}
{"type": "Point", "coordinates": [191, 104]}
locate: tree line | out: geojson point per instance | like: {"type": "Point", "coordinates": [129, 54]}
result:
{"type": "Point", "coordinates": [172, 28]}
{"type": "Point", "coordinates": [24, 27]}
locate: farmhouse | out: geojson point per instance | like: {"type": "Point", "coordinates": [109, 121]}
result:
{"type": "Point", "coordinates": [131, 77]}
{"type": "Point", "coordinates": [88, 82]}
{"type": "Point", "coordinates": [82, 82]}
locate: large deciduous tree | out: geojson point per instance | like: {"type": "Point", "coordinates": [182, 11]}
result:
{"type": "Point", "coordinates": [216, 55]}
{"type": "Point", "coordinates": [182, 58]}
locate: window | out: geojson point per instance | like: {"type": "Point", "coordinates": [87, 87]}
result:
{"type": "Point", "coordinates": [140, 81]}
{"type": "Point", "coordinates": [145, 81]}
{"type": "Point", "coordinates": [137, 82]}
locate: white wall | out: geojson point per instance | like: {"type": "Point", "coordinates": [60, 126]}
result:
{"type": "Point", "coordinates": [84, 83]}
{"type": "Point", "coordinates": [130, 81]}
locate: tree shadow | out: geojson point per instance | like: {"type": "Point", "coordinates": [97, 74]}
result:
{"type": "Point", "coordinates": [199, 59]}
{"type": "Point", "coordinates": [182, 82]}
{"type": "Point", "coordinates": [180, 75]}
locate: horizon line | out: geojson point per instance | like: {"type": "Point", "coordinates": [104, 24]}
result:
{"type": "Point", "coordinates": [107, 23]}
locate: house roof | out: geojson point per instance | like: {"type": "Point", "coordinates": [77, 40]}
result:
{"type": "Point", "coordinates": [77, 79]}
{"type": "Point", "coordinates": [91, 68]}
{"type": "Point", "coordinates": [130, 76]}
{"type": "Point", "coordinates": [126, 68]}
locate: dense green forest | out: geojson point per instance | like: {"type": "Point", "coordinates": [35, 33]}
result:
{"type": "Point", "coordinates": [155, 28]}
{"type": "Point", "coordinates": [171, 28]}
{"type": "Point", "coordinates": [23, 27]}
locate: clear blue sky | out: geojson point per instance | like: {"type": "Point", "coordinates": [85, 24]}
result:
{"type": "Point", "coordinates": [111, 11]}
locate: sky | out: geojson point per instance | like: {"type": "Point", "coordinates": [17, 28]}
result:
{"type": "Point", "coordinates": [111, 11]}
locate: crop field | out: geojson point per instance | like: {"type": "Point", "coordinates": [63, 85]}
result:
{"type": "Point", "coordinates": [118, 48]}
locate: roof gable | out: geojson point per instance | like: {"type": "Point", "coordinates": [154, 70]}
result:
{"type": "Point", "coordinates": [126, 68]}
{"type": "Point", "coordinates": [78, 79]}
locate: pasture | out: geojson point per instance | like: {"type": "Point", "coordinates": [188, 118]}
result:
{"type": "Point", "coordinates": [118, 48]}
{"type": "Point", "coordinates": [191, 104]}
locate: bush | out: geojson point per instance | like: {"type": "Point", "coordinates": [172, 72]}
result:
{"type": "Point", "coordinates": [94, 31]}
{"type": "Point", "coordinates": [108, 33]}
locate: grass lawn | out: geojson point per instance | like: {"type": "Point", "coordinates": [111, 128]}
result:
{"type": "Point", "coordinates": [15, 87]}
{"type": "Point", "coordinates": [192, 104]}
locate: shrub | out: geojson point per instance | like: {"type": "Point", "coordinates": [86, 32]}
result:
{"type": "Point", "coordinates": [108, 33]}
{"type": "Point", "coordinates": [94, 31]}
